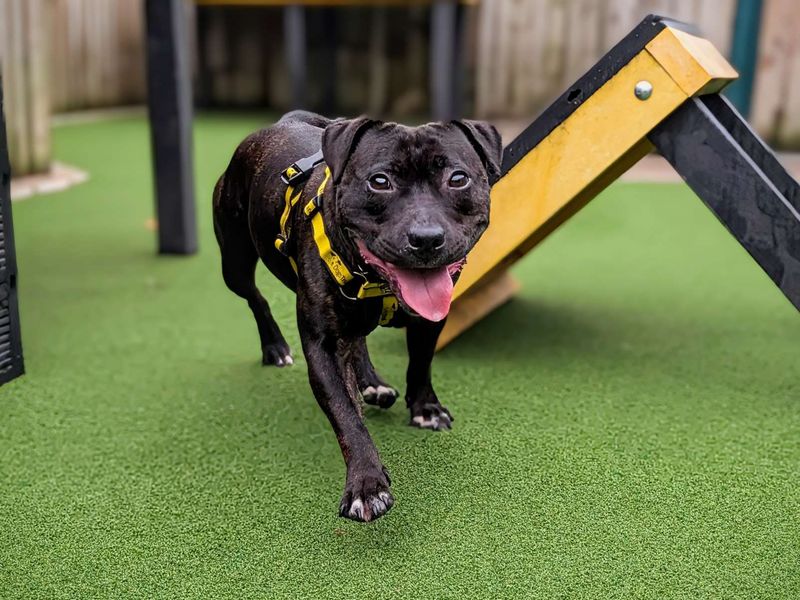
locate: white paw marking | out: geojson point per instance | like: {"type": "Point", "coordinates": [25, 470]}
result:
{"type": "Point", "coordinates": [423, 422]}
{"type": "Point", "coordinates": [381, 390]}
{"type": "Point", "coordinates": [288, 360]}
{"type": "Point", "coordinates": [357, 509]}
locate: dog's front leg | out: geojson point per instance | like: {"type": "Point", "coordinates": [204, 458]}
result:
{"type": "Point", "coordinates": [425, 408]}
{"type": "Point", "coordinates": [366, 493]}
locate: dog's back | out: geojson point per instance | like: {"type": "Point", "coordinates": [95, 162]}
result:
{"type": "Point", "coordinates": [248, 196]}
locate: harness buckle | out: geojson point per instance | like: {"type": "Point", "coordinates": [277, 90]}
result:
{"type": "Point", "coordinates": [301, 170]}
{"type": "Point", "coordinates": [293, 175]}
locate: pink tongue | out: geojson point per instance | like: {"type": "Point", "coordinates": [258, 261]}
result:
{"type": "Point", "coordinates": [427, 291]}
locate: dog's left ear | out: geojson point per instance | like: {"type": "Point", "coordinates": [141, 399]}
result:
{"type": "Point", "coordinates": [340, 139]}
{"type": "Point", "coordinates": [486, 140]}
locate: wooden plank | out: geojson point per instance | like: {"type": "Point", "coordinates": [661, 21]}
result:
{"type": "Point", "coordinates": [789, 133]}
{"type": "Point", "coordinates": [130, 45]}
{"type": "Point", "coordinates": [58, 55]}
{"type": "Point", "coordinates": [37, 28]}
{"type": "Point", "coordinates": [17, 100]}
{"type": "Point", "coordinates": [483, 64]}
{"type": "Point", "coordinates": [476, 304]}
{"type": "Point", "coordinates": [25, 62]}
{"type": "Point", "coordinates": [94, 50]}
{"type": "Point", "coordinates": [77, 68]}
{"type": "Point", "coordinates": [776, 85]}
{"type": "Point", "coordinates": [715, 20]}
{"type": "Point", "coordinates": [523, 63]}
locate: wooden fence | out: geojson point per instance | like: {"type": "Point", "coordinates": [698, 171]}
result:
{"type": "Point", "coordinates": [24, 60]}
{"type": "Point", "coordinates": [96, 53]}
{"type": "Point", "coordinates": [529, 51]}
{"type": "Point", "coordinates": [525, 52]}
{"type": "Point", "coordinates": [63, 55]}
{"type": "Point", "coordinates": [776, 97]}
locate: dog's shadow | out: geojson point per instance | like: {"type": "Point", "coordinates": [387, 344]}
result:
{"type": "Point", "coordinates": [520, 327]}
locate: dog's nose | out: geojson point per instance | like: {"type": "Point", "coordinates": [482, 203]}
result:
{"type": "Point", "coordinates": [426, 237]}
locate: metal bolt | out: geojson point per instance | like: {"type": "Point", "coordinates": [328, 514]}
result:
{"type": "Point", "coordinates": [643, 90]}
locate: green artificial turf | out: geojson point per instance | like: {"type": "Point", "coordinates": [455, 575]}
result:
{"type": "Point", "coordinates": [627, 427]}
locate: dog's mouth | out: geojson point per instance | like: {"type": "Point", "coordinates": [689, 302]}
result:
{"type": "Point", "coordinates": [425, 292]}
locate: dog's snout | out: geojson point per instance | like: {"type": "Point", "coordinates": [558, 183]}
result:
{"type": "Point", "coordinates": [426, 237]}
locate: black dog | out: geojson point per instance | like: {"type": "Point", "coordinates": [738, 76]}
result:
{"type": "Point", "coordinates": [397, 209]}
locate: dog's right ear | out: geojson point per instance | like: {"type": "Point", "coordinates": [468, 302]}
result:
{"type": "Point", "coordinates": [340, 139]}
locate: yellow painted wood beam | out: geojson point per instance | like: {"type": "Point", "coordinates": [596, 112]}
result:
{"type": "Point", "coordinates": [478, 302]}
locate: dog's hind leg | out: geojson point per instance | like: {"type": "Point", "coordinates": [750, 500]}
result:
{"type": "Point", "coordinates": [239, 258]}
{"type": "Point", "coordinates": [372, 386]}
{"type": "Point", "coordinates": [238, 270]}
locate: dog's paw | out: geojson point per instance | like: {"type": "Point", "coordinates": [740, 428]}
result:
{"type": "Point", "coordinates": [379, 395]}
{"type": "Point", "coordinates": [431, 416]}
{"type": "Point", "coordinates": [277, 354]}
{"type": "Point", "coordinates": [366, 497]}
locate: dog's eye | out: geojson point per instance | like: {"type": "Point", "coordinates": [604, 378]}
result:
{"type": "Point", "coordinates": [379, 183]}
{"type": "Point", "coordinates": [458, 180]}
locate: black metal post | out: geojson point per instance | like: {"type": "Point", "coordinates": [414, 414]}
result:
{"type": "Point", "coordinates": [444, 59]}
{"type": "Point", "coordinates": [740, 180]}
{"type": "Point", "coordinates": [169, 101]}
{"type": "Point", "coordinates": [11, 363]}
{"type": "Point", "coordinates": [294, 37]}
{"type": "Point", "coordinates": [328, 76]}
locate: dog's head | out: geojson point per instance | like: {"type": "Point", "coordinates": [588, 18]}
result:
{"type": "Point", "coordinates": [413, 201]}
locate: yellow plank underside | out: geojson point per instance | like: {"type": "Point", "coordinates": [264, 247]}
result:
{"type": "Point", "coordinates": [474, 306]}
{"type": "Point", "coordinates": [604, 136]}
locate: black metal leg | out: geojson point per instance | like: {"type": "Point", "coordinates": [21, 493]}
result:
{"type": "Point", "coordinates": [328, 76]}
{"type": "Point", "coordinates": [170, 105]}
{"type": "Point", "coordinates": [294, 32]}
{"type": "Point", "coordinates": [204, 76]}
{"type": "Point", "coordinates": [443, 59]}
{"type": "Point", "coordinates": [754, 146]}
{"type": "Point", "coordinates": [11, 364]}
{"type": "Point", "coordinates": [458, 61]}
{"type": "Point", "coordinates": [741, 181]}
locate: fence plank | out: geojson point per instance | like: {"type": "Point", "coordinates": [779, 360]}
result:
{"type": "Point", "coordinates": [776, 98]}
{"type": "Point", "coordinates": [23, 46]}
{"type": "Point", "coordinates": [38, 79]}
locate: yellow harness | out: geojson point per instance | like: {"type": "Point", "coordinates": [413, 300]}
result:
{"type": "Point", "coordinates": [295, 177]}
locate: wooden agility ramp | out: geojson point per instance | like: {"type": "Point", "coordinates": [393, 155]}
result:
{"type": "Point", "coordinates": [658, 88]}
